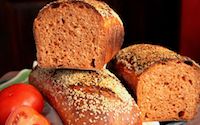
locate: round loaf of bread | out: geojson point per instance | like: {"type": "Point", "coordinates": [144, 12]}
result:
{"type": "Point", "coordinates": [166, 84]}
{"type": "Point", "coordinates": [87, 97]}
{"type": "Point", "coordinates": [77, 34]}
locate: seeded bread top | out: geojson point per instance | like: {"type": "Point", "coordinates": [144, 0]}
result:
{"type": "Point", "coordinates": [71, 80]}
{"type": "Point", "coordinates": [99, 78]}
{"type": "Point", "coordinates": [140, 56]}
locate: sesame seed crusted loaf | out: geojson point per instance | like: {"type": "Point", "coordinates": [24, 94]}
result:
{"type": "Point", "coordinates": [77, 34]}
{"type": "Point", "coordinates": [86, 97]}
{"type": "Point", "coordinates": [140, 56]}
{"type": "Point", "coordinates": [167, 85]}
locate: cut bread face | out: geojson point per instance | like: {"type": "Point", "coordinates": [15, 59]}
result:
{"type": "Point", "coordinates": [74, 34]}
{"type": "Point", "coordinates": [166, 84]}
{"type": "Point", "coordinates": [169, 91]}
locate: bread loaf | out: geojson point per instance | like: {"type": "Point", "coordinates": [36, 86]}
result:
{"type": "Point", "coordinates": [87, 97]}
{"type": "Point", "coordinates": [78, 34]}
{"type": "Point", "coordinates": [166, 84]}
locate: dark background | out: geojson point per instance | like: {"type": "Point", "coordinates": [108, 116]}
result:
{"type": "Point", "coordinates": [171, 23]}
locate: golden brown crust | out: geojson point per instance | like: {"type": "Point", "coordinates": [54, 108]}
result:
{"type": "Point", "coordinates": [87, 97]}
{"type": "Point", "coordinates": [132, 61]}
{"type": "Point", "coordinates": [140, 56]}
{"type": "Point", "coordinates": [107, 41]}
{"type": "Point", "coordinates": [127, 74]}
{"type": "Point", "coordinates": [166, 84]}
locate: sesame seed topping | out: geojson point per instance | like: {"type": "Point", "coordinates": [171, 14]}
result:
{"type": "Point", "coordinates": [140, 56]}
{"type": "Point", "coordinates": [83, 93]}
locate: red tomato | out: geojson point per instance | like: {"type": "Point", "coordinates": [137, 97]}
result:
{"type": "Point", "coordinates": [25, 115]}
{"type": "Point", "coordinates": [18, 95]}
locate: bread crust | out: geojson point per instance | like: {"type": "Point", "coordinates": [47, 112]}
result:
{"type": "Point", "coordinates": [132, 61]}
{"type": "Point", "coordinates": [140, 64]}
{"type": "Point", "coordinates": [110, 41]}
{"type": "Point", "coordinates": [87, 97]}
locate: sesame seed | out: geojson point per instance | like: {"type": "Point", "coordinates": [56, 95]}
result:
{"type": "Point", "coordinates": [140, 56]}
{"type": "Point", "coordinates": [72, 87]}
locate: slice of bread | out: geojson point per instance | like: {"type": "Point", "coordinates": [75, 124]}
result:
{"type": "Point", "coordinates": [167, 85]}
{"type": "Point", "coordinates": [78, 34]}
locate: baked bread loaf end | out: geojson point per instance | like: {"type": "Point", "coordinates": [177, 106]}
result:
{"type": "Point", "coordinates": [87, 97]}
{"type": "Point", "coordinates": [77, 34]}
{"type": "Point", "coordinates": [166, 84]}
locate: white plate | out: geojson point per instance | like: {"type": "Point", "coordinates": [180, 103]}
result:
{"type": "Point", "coordinates": [51, 115]}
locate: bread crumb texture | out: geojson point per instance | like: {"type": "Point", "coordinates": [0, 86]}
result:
{"type": "Point", "coordinates": [92, 97]}
{"type": "Point", "coordinates": [79, 34]}
{"type": "Point", "coordinates": [167, 85]}
{"type": "Point", "coordinates": [101, 7]}
{"type": "Point", "coordinates": [169, 91]}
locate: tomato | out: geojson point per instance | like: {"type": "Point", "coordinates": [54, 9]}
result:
{"type": "Point", "coordinates": [17, 95]}
{"type": "Point", "coordinates": [25, 115]}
